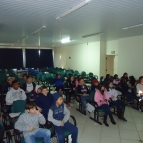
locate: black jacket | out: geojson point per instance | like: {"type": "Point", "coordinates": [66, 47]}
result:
{"type": "Point", "coordinates": [81, 89]}
{"type": "Point", "coordinates": [25, 86]}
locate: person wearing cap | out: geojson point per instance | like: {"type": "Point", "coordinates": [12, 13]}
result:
{"type": "Point", "coordinates": [113, 94]}
{"type": "Point", "coordinates": [95, 85]}
{"type": "Point", "coordinates": [8, 85]}
{"type": "Point", "coordinates": [59, 115]}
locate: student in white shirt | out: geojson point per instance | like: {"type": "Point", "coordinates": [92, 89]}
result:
{"type": "Point", "coordinates": [113, 94]}
{"type": "Point", "coordinates": [29, 87]}
{"type": "Point", "coordinates": [14, 94]}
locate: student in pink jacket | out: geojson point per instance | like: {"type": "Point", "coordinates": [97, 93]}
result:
{"type": "Point", "coordinates": [101, 97]}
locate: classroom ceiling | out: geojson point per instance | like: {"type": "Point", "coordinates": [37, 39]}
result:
{"type": "Point", "coordinates": [19, 18]}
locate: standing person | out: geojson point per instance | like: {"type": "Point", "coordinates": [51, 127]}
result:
{"type": "Point", "coordinates": [14, 94]}
{"type": "Point", "coordinates": [83, 91]}
{"type": "Point", "coordinates": [44, 101]}
{"type": "Point", "coordinates": [23, 80]}
{"type": "Point", "coordinates": [28, 123]}
{"type": "Point", "coordinates": [29, 87]}
{"type": "Point", "coordinates": [101, 97]}
{"type": "Point", "coordinates": [113, 94]}
{"type": "Point", "coordinates": [72, 86]}
{"type": "Point", "coordinates": [59, 115]}
{"type": "Point", "coordinates": [8, 85]}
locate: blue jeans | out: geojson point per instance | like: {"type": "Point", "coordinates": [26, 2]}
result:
{"type": "Point", "coordinates": [119, 104]}
{"type": "Point", "coordinates": [105, 108]}
{"type": "Point", "coordinates": [83, 101]}
{"type": "Point", "coordinates": [71, 128]}
{"type": "Point", "coordinates": [42, 133]}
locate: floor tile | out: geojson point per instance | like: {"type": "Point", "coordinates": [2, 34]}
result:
{"type": "Point", "coordinates": [109, 140]}
{"type": "Point", "coordinates": [128, 134]}
{"type": "Point", "coordinates": [128, 141]}
{"type": "Point", "coordinates": [139, 127]}
{"type": "Point", "coordinates": [127, 126]}
{"type": "Point", "coordinates": [110, 132]}
{"type": "Point", "coordinates": [86, 138]}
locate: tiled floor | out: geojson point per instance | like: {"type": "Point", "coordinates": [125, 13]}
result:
{"type": "Point", "coordinates": [123, 132]}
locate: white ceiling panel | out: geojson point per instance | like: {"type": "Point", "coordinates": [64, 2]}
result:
{"type": "Point", "coordinates": [21, 17]}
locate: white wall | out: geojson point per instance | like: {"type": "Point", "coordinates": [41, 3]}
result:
{"type": "Point", "coordinates": [83, 57]}
{"type": "Point", "coordinates": [102, 58]}
{"type": "Point", "coordinates": [130, 56]}
{"type": "Point", "coordinates": [112, 46]}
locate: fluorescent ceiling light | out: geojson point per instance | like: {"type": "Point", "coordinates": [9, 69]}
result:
{"type": "Point", "coordinates": [125, 28]}
{"type": "Point", "coordinates": [94, 34]}
{"type": "Point", "coordinates": [66, 40]}
{"type": "Point", "coordinates": [85, 2]}
{"type": "Point", "coordinates": [38, 29]}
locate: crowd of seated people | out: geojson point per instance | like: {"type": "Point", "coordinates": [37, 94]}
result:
{"type": "Point", "coordinates": [43, 106]}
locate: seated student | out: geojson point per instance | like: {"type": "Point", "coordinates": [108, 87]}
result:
{"type": "Point", "coordinates": [44, 101]}
{"type": "Point", "coordinates": [116, 80]}
{"type": "Point", "coordinates": [113, 94]}
{"type": "Point", "coordinates": [107, 79]}
{"type": "Point", "coordinates": [95, 85]}
{"type": "Point", "coordinates": [125, 76]}
{"type": "Point", "coordinates": [28, 123]}
{"type": "Point", "coordinates": [125, 90]}
{"type": "Point", "coordinates": [34, 96]}
{"type": "Point", "coordinates": [59, 83]}
{"type": "Point", "coordinates": [101, 97]}
{"type": "Point", "coordinates": [59, 116]}
{"type": "Point", "coordinates": [131, 83]}
{"type": "Point", "coordinates": [23, 80]}
{"type": "Point", "coordinates": [14, 94]}
{"type": "Point", "coordinates": [77, 79]}
{"type": "Point", "coordinates": [83, 91]}
{"type": "Point", "coordinates": [29, 87]}
{"type": "Point", "coordinates": [8, 85]}
{"type": "Point", "coordinates": [139, 87]}
{"type": "Point", "coordinates": [71, 84]}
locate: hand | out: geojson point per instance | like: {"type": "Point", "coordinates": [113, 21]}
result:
{"type": "Point", "coordinates": [30, 128]}
{"type": "Point", "coordinates": [69, 90]}
{"type": "Point", "coordinates": [39, 109]}
{"type": "Point", "coordinates": [37, 112]}
{"type": "Point", "coordinates": [84, 94]}
{"type": "Point", "coordinates": [31, 99]}
{"type": "Point", "coordinates": [103, 102]}
{"type": "Point", "coordinates": [26, 91]}
{"type": "Point", "coordinates": [62, 123]}
{"type": "Point", "coordinates": [74, 89]}
{"type": "Point", "coordinates": [112, 96]}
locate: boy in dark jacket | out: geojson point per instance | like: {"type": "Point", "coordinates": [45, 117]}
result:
{"type": "Point", "coordinates": [83, 91]}
{"type": "Point", "coordinates": [59, 83]}
{"type": "Point", "coordinates": [44, 101]}
{"type": "Point", "coordinates": [95, 85]}
{"type": "Point", "coordinates": [59, 116]}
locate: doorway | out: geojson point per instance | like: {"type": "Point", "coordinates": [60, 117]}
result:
{"type": "Point", "coordinates": [110, 64]}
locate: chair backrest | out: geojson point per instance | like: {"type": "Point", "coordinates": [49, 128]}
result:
{"type": "Point", "coordinates": [18, 106]}
{"type": "Point", "coordinates": [91, 96]}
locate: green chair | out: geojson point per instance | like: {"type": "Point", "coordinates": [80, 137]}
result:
{"type": "Point", "coordinates": [83, 74]}
{"type": "Point", "coordinates": [18, 106]}
{"type": "Point", "coordinates": [97, 113]}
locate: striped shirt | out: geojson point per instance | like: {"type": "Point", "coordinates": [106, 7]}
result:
{"type": "Point", "coordinates": [26, 120]}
